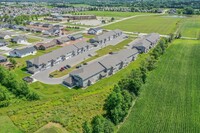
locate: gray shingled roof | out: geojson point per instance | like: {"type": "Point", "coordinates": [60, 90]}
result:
{"type": "Point", "coordinates": [126, 53]}
{"type": "Point", "coordinates": [17, 38]}
{"type": "Point", "coordinates": [2, 57]}
{"type": "Point", "coordinates": [89, 70]}
{"type": "Point", "coordinates": [96, 29]}
{"type": "Point", "coordinates": [153, 37]}
{"type": "Point", "coordinates": [106, 35]}
{"type": "Point", "coordinates": [82, 44]}
{"type": "Point", "coordinates": [53, 55]}
{"type": "Point", "coordinates": [110, 61]}
{"type": "Point", "coordinates": [24, 50]}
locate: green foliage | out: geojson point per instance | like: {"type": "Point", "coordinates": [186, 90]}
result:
{"type": "Point", "coordinates": [171, 93]}
{"type": "Point", "coordinates": [147, 24]}
{"type": "Point", "coordinates": [4, 97]}
{"type": "Point", "coordinates": [117, 105]}
{"type": "Point", "coordinates": [13, 62]}
{"type": "Point", "coordinates": [101, 125]}
{"type": "Point", "coordinates": [86, 127]}
{"type": "Point", "coordinates": [188, 10]}
{"type": "Point", "coordinates": [18, 19]}
{"type": "Point", "coordinates": [190, 27]}
{"type": "Point", "coordinates": [18, 87]}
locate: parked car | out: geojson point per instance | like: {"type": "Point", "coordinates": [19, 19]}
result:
{"type": "Point", "coordinates": [65, 67]}
{"type": "Point", "coordinates": [68, 66]}
{"type": "Point", "coordinates": [85, 63]}
{"type": "Point", "coordinates": [62, 68]}
{"type": "Point", "coordinates": [78, 66]}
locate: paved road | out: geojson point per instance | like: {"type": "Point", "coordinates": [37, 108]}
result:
{"type": "Point", "coordinates": [43, 76]}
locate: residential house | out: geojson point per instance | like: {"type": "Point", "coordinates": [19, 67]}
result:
{"type": "Point", "coordinates": [5, 36]}
{"type": "Point", "coordinates": [59, 27]}
{"type": "Point", "coordinates": [19, 40]}
{"type": "Point", "coordinates": [145, 43]}
{"type": "Point", "coordinates": [106, 37]}
{"type": "Point", "coordinates": [52, 32]}
{"type": "Point", "coordinates": [50, 59]}
{"type": "Point", "coordinates": [76, 37]}
{"type": "Point", "coordinates": [3, 43]}
{"type": "Point", "coordinates": [95, 31]}
{"type": "Point", "coordinates": [44, 46]}
{"type": "Point", "coordinates": [23, 52]}
{"type": "Point", "coordinates": [47, 25]}
{"type": "Point", "coordinates": [3, 59]}
{"type": "Point", "coordinates": [63, 40]}
{"type": "Point", "coordinates": [37, 24]}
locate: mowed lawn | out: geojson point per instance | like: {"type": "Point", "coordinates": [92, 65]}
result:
{"type": "Point", "coordinates": [169, 101]}
{"type": "Point", "coordinates": [111, 13]}
{"type": "Point", "coordinates": [191, 27]}
{"type": "Point", "coordinates": [147, 24]}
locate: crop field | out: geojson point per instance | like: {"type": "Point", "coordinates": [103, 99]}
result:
{"type": "Point", "coordinates": [169, 101]}
{"type": "Point", "coordinates": [111, 13]}
{"type": "Point", "coordinates": [147, 24]}
{"type": "Point", "coordinates": [191, 27]}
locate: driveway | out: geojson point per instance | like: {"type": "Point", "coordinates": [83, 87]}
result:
{"type": "Point", "coordinates": [43, 76]}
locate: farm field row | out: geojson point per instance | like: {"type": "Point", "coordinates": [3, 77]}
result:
{"type": "Point", "coordinates": [169, 101]}
{"type": "Point", "coordinates": [190, 27]}
{"type": "Point", "coordinates": [147, 24]}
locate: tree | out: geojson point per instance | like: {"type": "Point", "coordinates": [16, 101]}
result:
{"type": "Point", "coordinates": [132, 85]}
{"type": "Point", "coordinates": [98, 124]}
{"type": "Point", "coordinates": [86, 127]}
{"type": "Point", "coordinates": [116, 105]}
{"type": "Point", "coordinates": [13, 62]}
{"type": "Point", "coordinates": [188, 10]}
{"type": "Point", "coordinates": [112, 19]}
{"type": "Point", "coordinates": [108, 126]}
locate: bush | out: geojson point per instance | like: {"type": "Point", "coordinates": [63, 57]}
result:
{"type": "Point", "coordinates": [117, 105]}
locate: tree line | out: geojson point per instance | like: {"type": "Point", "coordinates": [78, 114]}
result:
{"type": "Point", "coordinates": [16, 86]}
{"type": "Point", "coordinates": [119, 102]}
{"type": "Point", "coordinates": [22, 19]}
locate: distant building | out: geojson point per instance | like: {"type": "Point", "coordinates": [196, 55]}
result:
{"type": "Point", "coordinates": [4, 36]}
{"type": "Point", "coordinates": [95, 31]}
{"type": "Point", "coordinates": [3, 59]}
{"type": "Point", "coordinates": [95, 71]}
{"type": "Point", "coordinates": [76, 37]}
{"type": "Point", "coordinates": [145, 43]}
{"type": "Point", "coordinates": [23, 52]}
{"type": "Point", "coordinates": [3, 43]}
{"type": "Point", "coordinates": [19, 40]}
{"type": "Point", "coordinates": [44, 46]}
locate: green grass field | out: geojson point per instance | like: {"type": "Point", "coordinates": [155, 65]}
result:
{"type": "Point", "coordinates": [169, 101]}
{"type": "Point", "coordinates": [190, 27]}
{"type": "Point", "coordinates": [110, 13]}
{"type": "Point", "coordinates": [147, 24]}
{"type": "Point", "coordinates": [6, 125]}
{"type": "Point", "coordinates": [52, 128]}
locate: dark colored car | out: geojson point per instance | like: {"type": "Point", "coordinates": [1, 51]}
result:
{"type": "Point", "coordinates": [68, 66]}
